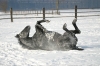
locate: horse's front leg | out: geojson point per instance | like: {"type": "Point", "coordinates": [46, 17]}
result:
{"type": "Point", "coordinates": [39, 27]}
{"type": "Point", "coordinates": [41, 21]}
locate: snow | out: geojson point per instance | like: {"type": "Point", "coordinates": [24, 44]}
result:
{"type": "Point", "coordinates": [12, 54]}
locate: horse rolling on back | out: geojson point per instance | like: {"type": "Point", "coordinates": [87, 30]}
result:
{"type": "Point", "coordinates": [49, 40]}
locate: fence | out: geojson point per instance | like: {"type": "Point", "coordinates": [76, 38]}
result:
{"type": "Point", "coordinates": [35, 12]}
{"type": "Point", "coordinates": [29, 12]}
{"type": "Point", "coordinates": [44, 11]}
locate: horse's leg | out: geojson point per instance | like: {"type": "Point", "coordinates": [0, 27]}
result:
{"type": "Point", "coordinates": [76, 31]}
{"type": "Point", "coordinates": [77, 48]}
{"type": "Point", "coordinates": [39, 27]}
{"type": "Point", "coordinates": [64, 28]}
{"type": "Point", "coordinates": [38, 37]}
{"type": "Point", "coordinates": [41, 21]}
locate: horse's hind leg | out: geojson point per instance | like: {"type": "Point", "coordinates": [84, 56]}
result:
{"type": "Point", "coordinates": [77, 48]}
{"type": "Point", "coordinates": [76, 31]}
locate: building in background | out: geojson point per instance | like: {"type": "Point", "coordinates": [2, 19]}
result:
{"type": "Point", "coordinates": [51, 4]}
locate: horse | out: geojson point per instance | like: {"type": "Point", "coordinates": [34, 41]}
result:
{"type": "Point", "coordinates": [44, 39]}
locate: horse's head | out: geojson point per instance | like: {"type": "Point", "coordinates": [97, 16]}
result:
{"type": "Point", "coordinates": [24, 33]}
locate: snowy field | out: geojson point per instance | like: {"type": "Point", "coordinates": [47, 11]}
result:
{"type": "Point", "coordinates": [12, 54]}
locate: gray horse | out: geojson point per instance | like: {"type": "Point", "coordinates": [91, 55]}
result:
{"type": "Point", "coordinates": [49, 40]}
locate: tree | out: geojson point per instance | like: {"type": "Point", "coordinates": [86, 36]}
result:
{"type": "Point", "coordinates": [3, 5]}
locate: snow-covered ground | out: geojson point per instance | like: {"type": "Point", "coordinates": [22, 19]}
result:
{"type": "Point", "coordinates": [12, 54]}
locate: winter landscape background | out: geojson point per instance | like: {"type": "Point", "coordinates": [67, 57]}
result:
{"type": "Point", "coordinates": [12, 54]}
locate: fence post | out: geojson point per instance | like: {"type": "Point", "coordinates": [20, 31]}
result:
{"type": "Point", "coordinates": [52, 11]}
{"type": "Point", "coordinates": [43, 13]}
{"type": "Point", "coordinates": [76, 11]}
{"type": "Point", "coordinates": [11, 14]}
{"type": "Point", "coordinates": [37, 12]}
